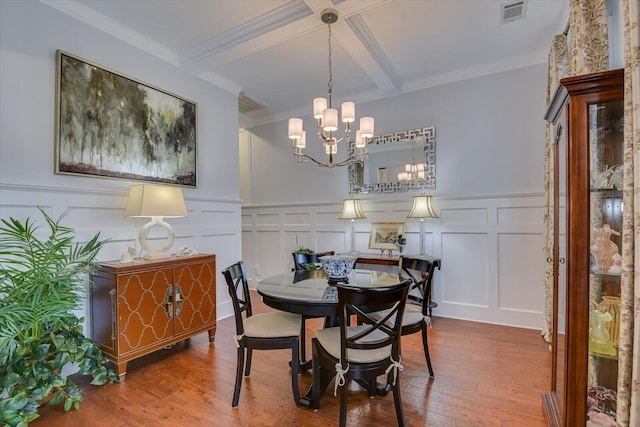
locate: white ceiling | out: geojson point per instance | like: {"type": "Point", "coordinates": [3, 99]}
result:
{"type": "Point", "coordinates": [275, 52]}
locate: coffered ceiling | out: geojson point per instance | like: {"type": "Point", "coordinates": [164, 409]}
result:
{"type": "Point", "coordinates": [274, 53]}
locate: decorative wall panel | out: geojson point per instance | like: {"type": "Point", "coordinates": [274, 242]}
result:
{"type": "Point", "coordinates": [520, 215]}
{"type": "Point", "coordinates": [485, 246]}
{"type": "Point", "coordinates": [468, 285]}
{"type": "Point", "coordinates": [518, 253]}
{"type": "Point", "coordinates": [464, 216]}
{"type": "Point", "coordinates": [90, 211]}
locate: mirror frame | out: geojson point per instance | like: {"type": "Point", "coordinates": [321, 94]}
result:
{"type": "Point", "coordinates": [356, 170]}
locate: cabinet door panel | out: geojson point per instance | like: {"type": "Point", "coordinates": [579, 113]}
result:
{"type": "Point", "coordinates": [142, 310]}
{"type": "Point", "coordinates": [197, 296]}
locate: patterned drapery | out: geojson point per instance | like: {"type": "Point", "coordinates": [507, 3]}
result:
{"type": "Point", "coordinates": [629, 352]}
{"type": "Point", "coordinates": [589, 36]}
{"type": "Point", "coordinates": [558, 68]}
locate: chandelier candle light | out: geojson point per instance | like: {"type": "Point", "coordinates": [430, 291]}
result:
{"type": "Point", "coordinates": [327, 118]}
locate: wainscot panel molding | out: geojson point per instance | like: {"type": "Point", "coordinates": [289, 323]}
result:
{"type": "Point", "coordinates": [212, 226]}
{"type": "Point", "coordinates": [490, 248]}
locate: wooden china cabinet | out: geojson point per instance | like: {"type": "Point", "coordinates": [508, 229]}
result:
{"type": "Point", "coordinates": [143, 306]}
{"type": "Point", "coordinates": [587, 115]}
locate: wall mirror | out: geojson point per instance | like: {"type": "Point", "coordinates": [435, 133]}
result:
{"type": "Point", "coordinates": [398, 161]}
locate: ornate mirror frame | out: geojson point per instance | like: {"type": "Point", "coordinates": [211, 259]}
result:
{"type": "Point", "coordinates": [384, 145]}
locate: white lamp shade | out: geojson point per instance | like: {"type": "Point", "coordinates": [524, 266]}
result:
{"type": "Point", "coordinates": [301, 142]}
{"type": "Point", "coordinates": [348, 112]}
{"type": "Point", "coordinates": [366, 127]}
{"type": "Point", "coordinates": [295, 128]}
{"type": "Point", "coordinates": [351, 210]}
{"type": "Point", "coordinates": [154, 200]}
{"type": "Point", "coordinates": [330, 119]}
{"type": "Point", "coordinates": [319, 105]}
{"type": "Point", "coordinates": [422, 208]}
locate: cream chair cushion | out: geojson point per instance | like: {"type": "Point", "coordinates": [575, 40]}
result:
{"type": "Point", "coordinates": [412, 314]}
{"type": "Point", "coordinates": [269, 325]}
{"type": "Point", "coordinates": [330, 339]}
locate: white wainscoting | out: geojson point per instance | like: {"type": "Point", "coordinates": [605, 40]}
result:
{"type": "Point", "coordinates": [491, 249]}
{"type": "Point", "coordinates": [213, 226]}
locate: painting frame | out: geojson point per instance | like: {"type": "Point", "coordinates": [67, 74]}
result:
{"type": "Point", "coordinates": [383, 234]}
{"type": "Point", "coordinates": [110, 125]}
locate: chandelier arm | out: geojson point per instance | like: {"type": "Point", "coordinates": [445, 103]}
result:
{"type": "Point", "coordinates": [345, 162]}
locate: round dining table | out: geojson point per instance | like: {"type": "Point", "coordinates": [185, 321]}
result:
{"type": "Point", "coordinates": [308, 293]}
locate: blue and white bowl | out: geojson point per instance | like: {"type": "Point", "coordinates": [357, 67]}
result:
{"type": "Point", "coordinates": [337, 266]}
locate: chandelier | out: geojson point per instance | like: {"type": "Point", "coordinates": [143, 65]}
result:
{"type": "Point", "coordinates": [327, 118]}
{"type": "Point", "coordinates": [412, 173]}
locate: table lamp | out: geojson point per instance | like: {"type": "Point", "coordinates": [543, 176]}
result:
{"type": "Point", "coordinates": [351, 210]}
{"type": "Point", "coordinates": [155, 202]}
{"type": "Point", "coordinates": [422, 209]}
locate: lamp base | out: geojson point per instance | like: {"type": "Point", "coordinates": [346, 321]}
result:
{"type": "Point", "coordinates": [159, 255]}
{"type": "Point", "coordinates": [156, 252]}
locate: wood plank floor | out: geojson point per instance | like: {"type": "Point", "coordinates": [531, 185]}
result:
{"type": "Point", "coordinates": [485, 375]}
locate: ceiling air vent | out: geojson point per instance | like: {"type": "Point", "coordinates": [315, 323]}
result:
{"type": "Point", "coordinates": [247, 104]}
{"type": "Point", "coordinates": [513, 11]}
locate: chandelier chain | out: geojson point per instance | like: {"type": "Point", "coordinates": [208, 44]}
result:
{"type": "Point", "coordinates": [330, 85]}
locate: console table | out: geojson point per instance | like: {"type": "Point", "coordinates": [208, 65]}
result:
{"type": "Point", "coordinates": [376, 259]}
{"type": "Point", "coordinates": [145, 305]}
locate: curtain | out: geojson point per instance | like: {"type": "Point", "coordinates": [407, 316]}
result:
{"type": "Point", "coordinates": [629, 352]}
{"type": "Point", "coordinates": [589, 36]}
{"type": "Point", "coordinates": [558, 68]}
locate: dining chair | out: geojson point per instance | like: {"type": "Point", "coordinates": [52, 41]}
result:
{"type": "Point", "coordinates": [264, 331]}
{"type": "Point", "coordinates": [362, 352]}
{"type": "Point", "coordinates": [417, 314]}
{"type": "Point", "coordinates": [302, 262]}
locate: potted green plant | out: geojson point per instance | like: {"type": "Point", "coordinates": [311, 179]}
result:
{"type": "Point", "coordinates": [42, 282]}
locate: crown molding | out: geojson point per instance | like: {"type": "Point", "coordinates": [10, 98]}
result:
{"type": "Point", "coordinates": [277, 18]}
{"type": "Point", "coordinates": [391, 81]}
{"type": "Point", "coordinates": [475, 72]}
{"type": "Point", "coordinates": [90, 17]}
{"type": "Point", "coordinates": [217, 80]}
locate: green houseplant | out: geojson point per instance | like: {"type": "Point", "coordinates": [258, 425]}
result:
{"type": "Point", "coordinates": [42, 282]}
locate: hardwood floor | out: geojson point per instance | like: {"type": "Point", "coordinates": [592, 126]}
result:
{"type": "Point", "coordinates": [485, 375]}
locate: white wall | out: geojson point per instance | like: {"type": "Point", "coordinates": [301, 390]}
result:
{"type": "Point", "coordinates": [489, 140]}
{"type": "Point", "coordinates": [489, 186]}
{"type": "Point", "coordinates": [30, 33]}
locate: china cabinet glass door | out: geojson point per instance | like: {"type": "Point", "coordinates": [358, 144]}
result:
{"type": "Point", "coordinates": [606, 158]}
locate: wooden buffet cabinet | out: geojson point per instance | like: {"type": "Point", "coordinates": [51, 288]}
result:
{"type": "Point", "coordinates": [587, 115]}
{"type": "Point", "coordinates": [143, 306]}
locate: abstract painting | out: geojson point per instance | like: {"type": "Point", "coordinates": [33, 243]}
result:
{"type": "Point", "coordinates": [111, 126]}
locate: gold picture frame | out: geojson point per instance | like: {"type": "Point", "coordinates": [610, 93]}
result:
{"type": "Point", "coordinates": [383, 235]}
